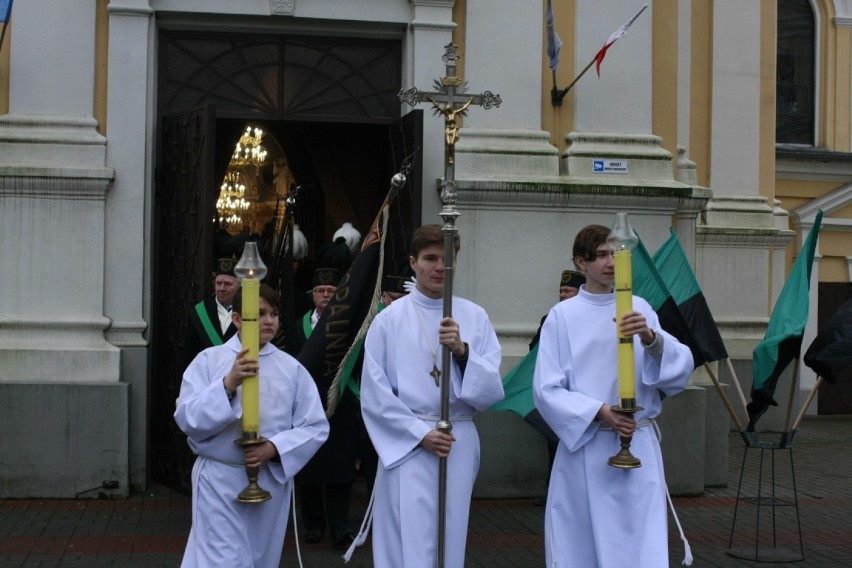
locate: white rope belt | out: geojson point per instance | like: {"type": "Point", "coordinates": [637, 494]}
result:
{"type": "Point", "coordinates": [639, 424]}
{"type": "Point", "coordinates": [437, 418]}
{"type": "Point", "coordinates": [217, 460]}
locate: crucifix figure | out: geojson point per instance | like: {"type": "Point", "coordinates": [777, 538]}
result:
{"type": "Point", "coordinates": [450, 101]}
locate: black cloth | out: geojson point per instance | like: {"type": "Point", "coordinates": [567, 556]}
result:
{"type": "Point", "coordinates": [321, 503]}
{"type": "Point", "coordinates": [537, 336]}
{"type": "Point", "coordinates": [325, 483]}
{"type": "Point", "coordinates": [196, 339]}
{"type": "Point", "coordinates": [296, 339]}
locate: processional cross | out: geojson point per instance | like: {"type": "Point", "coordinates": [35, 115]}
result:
{"type": "Point", "coordinates": [450, 99]}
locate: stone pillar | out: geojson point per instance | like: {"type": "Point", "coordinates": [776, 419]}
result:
{"type": "Point", "coordinates": [128, 120]}
{"type": "Point", "coordinates": [502, 54]}
{"type": "Point", "coordinates": [740, 227]}
{"type": "Point", "coordinates": [612, 114]}
{"type": "Point", "coordinates": [620, 100]}
{"type": "Point", "coordinates": [53, 186]}
{"type": "Point", "coordinates": [429, 31]}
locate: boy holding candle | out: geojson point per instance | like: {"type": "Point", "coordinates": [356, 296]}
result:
{"type": "Point", "coordinates": [598, 515]}
{"type": "Point", "coordinates": [226, 532]}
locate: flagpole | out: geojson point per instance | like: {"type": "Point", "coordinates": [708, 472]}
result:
{"type": "Point", "coordinates": [725, 400]}
{"type": "Point", "coordinates": [792, 394]}
{"type": "Point", "coordinates": [807, 403]}
{"type": "Point", "coordinates": [737, 384]}
{"type": "Point", "coordinates": [556, 95]}
{"type": "Point", "coordinates": [6, 19]}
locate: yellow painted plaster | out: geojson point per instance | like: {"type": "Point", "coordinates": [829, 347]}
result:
{"type": "Point", "coordinates": [785, 188]}
{"type": "Point", "coordinates": [664, 75]}
{"type": "Point", "coordinates": [558, 120]}
{"type": "Point", "coordinates": [833, 269]}
{"type": "Point", "coordinates": [99, 109]}
{"type": "Point", "coordinates": [701, 88]}
{"type": "Point", "coordinates": [4, 70]}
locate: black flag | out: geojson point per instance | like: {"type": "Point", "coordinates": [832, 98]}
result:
{"type": "Point", "coordinates": [350, 311]}
{"type": "Point", "coordinates": [830, 354]}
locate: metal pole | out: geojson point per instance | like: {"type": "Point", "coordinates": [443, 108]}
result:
{"type": "Point", "coordinates": [449, 215]}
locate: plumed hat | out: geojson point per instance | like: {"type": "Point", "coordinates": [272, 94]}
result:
{"type": "Point", "coordinates": [300, 244]}
{"type": "Point", "coordinates": [350, 235]}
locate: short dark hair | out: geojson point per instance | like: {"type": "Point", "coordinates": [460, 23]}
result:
{"type": "Point", "coordinates": [588, 240]}
{"type": "Point", "coordinates": [266, 292]}
{"type": "Point", "coordinates": [429, 235]}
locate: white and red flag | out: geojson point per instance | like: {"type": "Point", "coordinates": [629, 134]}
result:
{"type": "Point", "coordinates": [616, 35]}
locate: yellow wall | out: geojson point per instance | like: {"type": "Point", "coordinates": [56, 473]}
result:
{"type": "Point", "coordinates": [786, 188]}
{"type": "Point", "coordinates": [4, 71]}
{"type": "Point", "coordinates": [701, 88]}
{"type": "Point", "coordinates": [99, 108]}
{"type": "Point", "coordinates": [664, 75]}
{"type": "Point", "coordinates": [558, 120]}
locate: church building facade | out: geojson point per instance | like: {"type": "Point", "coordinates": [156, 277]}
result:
{"type": "Point", "coordinates": [729, 121]}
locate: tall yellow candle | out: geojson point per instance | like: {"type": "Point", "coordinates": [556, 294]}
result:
{"type": "Point", "coordinates": [250, 336]}
{"type": "Point", "coordinates": [624, 305]}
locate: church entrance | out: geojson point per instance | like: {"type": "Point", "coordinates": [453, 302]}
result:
{"type": "Point", "coordinates": [323, 111]}
{"type": "Point", "coordinates": [833, 398]}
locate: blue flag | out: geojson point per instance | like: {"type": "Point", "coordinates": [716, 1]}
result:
{"type": "Point", "coordinates": [5, 10]}
{"type": "Point", "coordinates": [554, 44]}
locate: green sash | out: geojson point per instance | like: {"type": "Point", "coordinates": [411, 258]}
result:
{"type": "Point", "coordinates": [212, 334]}
{"type": "Point", "coordinates": [306, 324]}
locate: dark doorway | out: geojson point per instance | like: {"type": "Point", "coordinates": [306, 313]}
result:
{"type": "Point", "coordinates": [833, 398]}
{"type": "Point", "coordinates": [330, 105]}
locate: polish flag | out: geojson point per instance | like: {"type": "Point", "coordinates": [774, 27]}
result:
{"type": "Point", "coordinates": [616, 35]}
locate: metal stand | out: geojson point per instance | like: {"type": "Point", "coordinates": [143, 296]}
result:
{"type": "Point", "coordinates": [767, 496]}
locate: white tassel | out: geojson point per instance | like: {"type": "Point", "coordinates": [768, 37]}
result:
{"type": "Point", "coordinates": [687, 551]}
{"type": "Point", "coordinates": [295, 523]}
{"type": "Point", "coordinates": [361, 537]}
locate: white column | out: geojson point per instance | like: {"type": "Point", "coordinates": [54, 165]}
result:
{"type": "Point", "coordinates": [429, 32]}
{"type": "Point", "coordinates": [128, 92]}
{"type": "Point", "coordinates": [612, 113]}
{"type": "Point", "coordinates": [620, 100]}
{"type": "Point", "coordinates": [735, 117]}
{"type": "Point", "coordinates": [53, 183]}
{"type": "Point", "coordinates": [129, 122]}
{"type": "Point", "coordinates": [502, 54]}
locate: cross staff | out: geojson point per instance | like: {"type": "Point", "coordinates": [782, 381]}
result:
{"type": "Point", "coordinates": [451, 101]}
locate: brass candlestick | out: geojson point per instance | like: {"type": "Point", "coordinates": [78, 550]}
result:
{"type": "Point", "coordinates": [253, 493]}
{"type": "Point", "coordinates": [624, 459]}
{"type": "Point", "coordinates": [622, 240]}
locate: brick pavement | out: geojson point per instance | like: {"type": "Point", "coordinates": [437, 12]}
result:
{"type": "Point", "coordinates": [149, 529]}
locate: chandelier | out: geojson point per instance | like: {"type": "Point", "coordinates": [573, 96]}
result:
{"type": "Point", "coordinates": [231, 199]}
{"type": "Point", "coordinates": [249, 151]}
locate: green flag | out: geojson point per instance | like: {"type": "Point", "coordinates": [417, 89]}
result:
{"type": "Point", "coordinates": [783, 340]}
{"type": "Point", "coordinates": [673, 266]}
{"type": "Point", "coordinates": [517, 386]}
{"type": "Point", "coordinates": [649, 285]}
